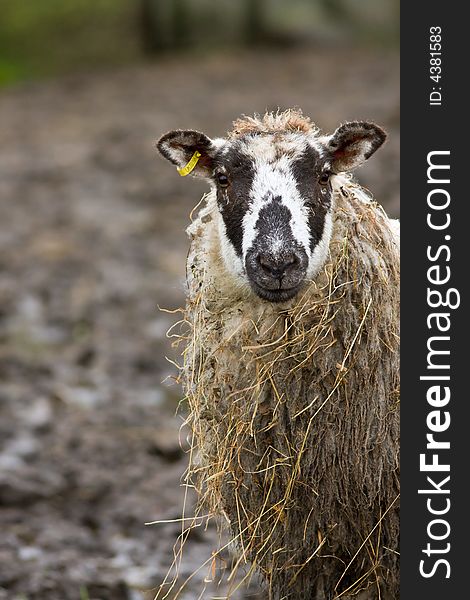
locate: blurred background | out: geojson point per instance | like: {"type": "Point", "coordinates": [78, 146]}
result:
{"type": "Point", "coordinates": [92, 242]}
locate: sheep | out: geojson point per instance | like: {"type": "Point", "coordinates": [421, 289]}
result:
{"type": "Point", "coordinates": [291, 365]}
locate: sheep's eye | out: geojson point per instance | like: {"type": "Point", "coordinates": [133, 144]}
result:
{"type": "Point", "coordinates": [222, 179]}
{"type": "Point", "coordinates": [324, 178]}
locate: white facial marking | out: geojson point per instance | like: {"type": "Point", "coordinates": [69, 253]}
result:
{"type": "Point", "coordinates": [220, 144]}
{"type": "Point", "coordinates": [274, 179]}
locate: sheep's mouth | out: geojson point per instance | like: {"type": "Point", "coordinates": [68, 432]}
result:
{"type": "Point", "coordinates": [275, 295]}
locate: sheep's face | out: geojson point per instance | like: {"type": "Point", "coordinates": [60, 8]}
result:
{"type": "Point", "coordinates": [275, 197]}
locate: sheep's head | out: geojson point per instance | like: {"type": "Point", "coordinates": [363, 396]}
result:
{"type": "Point", "coordinates": [273, 184]}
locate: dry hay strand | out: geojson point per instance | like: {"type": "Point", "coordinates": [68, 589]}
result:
{"type": "Point", "coordinates": [294, 412]}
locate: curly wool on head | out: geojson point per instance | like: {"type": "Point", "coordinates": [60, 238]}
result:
{"type": "Point", "coordinates": [290, 120]}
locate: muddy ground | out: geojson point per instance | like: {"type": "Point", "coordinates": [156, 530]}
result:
{"type": "Point", "coordinates": [91, 243]}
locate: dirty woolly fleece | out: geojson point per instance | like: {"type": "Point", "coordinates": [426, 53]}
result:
{"type": "Point", "coordinates": [294, 408]}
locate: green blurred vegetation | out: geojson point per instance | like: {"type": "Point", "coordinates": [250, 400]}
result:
{"type": "Point", "coordinates": [40, 38]}
{"type": "Point", "coordinates": [44, 37]}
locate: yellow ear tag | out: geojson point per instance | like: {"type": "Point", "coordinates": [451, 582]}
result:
{"type": "Point", "coordinates": [190, 165]}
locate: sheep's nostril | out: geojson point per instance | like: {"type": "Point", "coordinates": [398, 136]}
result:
{"type": "Point", "coordinates": [292, 260]}
{"type": "Point", "coordinates": [276, 267]}
{"type": "Point", "coordinates": [265, 263]}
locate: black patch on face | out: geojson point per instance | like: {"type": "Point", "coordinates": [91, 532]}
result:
{"type": "Point", "coordinates": [306, 171]}
{"type": "Point", "coordinates": [274, 220]}
{"type": "Point", "coordinates": [234, 200]}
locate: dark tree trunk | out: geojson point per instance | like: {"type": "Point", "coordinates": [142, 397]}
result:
{"type": "Point", "coordinates": [159, 33]}
{"type": "Point", "coordinates": [254, 18]}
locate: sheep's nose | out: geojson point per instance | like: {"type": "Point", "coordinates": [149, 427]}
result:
{"type": "Point", "coordinates": [278, 266]}
{"type": "Point", "coordinates": [276, 276]}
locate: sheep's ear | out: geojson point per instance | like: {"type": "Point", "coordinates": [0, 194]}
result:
{"type": "Point", "coordinates": [353, 143]}
{"type": "Point", "coordinates": [191, 151]}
